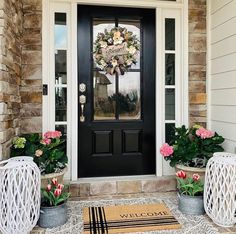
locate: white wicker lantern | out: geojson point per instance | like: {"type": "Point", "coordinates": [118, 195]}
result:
{"type": "Point", "coordinates": [220, 189]}
{"type": "Point", "coordinates": [19, 195]}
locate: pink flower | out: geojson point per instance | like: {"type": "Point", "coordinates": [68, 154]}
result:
{"type": "Point", "coordinates": [166, 150]}
{"type": "Point", "coordinates": [46, 141]}
{"type": "Point", "coordinates": [60, 186]}
{"type": "Point", "coordinates": [196, 177]}
{"type": "Point", "coordinates": [181, 174]}
{"type": "Point", "coordinates": [52, 134]}
{"type": "Point", "coordinates": [49, 187]}
{"type": "Point", "coordinates": [204, 133]}
{"type": "Point", "coordinates": [57, 192]}
{"type": "Point", "coordinates": [54, 181]}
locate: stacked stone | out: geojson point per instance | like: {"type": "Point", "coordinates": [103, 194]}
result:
{"type": "Point", "coordinates": [31, 83]}
{"type": "Point", "coordinates": [197, 62]}
{"type": "Point", "coordinates": [11, 18]}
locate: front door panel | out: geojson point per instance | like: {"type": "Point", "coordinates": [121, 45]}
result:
{"type": "Point", "coordinates": [117, 112]}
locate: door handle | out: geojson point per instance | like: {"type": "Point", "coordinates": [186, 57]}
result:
{"type": "Point", "coordinates": [82, 101]}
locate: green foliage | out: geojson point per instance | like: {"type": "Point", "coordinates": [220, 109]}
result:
{"type": "Point", "coordinates": [189, 186]}
{"type": "Point", "coordinates": [52, 156]}
{"type": "Point", "coordinates": [54, 194]}
{"type": "Point", "coordinates": [192, 150]}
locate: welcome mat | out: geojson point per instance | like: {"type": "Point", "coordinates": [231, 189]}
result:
{"type": "Point", "coordinates": [128, 218]}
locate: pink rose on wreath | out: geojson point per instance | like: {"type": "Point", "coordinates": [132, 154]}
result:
{"type": "Point", "coordinates": [204, 133]}
{"type": "Point", "coordinates": [166, 150]}
{"type": "Point", "coordinates": [52, 134]}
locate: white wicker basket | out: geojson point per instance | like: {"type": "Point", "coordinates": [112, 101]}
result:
{"type": "Point", "coordinates": [220, 189]}
{"type": "Point", "coordinates": [19, 196]}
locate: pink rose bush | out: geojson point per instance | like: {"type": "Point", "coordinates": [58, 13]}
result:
{"type": "Point", "coordinates": [54, 194]}
{"type": "Point", "coordinates": [52, 134]}
{"type": "Point", "coordinates": [191, 147]}
{"type": "Point", "coordinates": [189, 186]}
{"type": "Point", "coordinates": [48, 150]}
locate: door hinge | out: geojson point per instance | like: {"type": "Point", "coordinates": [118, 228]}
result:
{"type": "Point", "coordinates": [45, 89]}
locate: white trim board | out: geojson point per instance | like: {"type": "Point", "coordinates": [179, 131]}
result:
{"type": "Point", "coordinates": [177, 10]}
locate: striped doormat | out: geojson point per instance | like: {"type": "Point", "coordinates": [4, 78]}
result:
{"type": "Point", "coordinates": [128, 218]}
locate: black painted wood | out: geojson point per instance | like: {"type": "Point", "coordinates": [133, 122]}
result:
{"type": "Point", "coordinates": [118, 147]}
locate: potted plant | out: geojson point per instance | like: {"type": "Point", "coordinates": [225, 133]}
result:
{"type": "Point", "coordinates": [190, 149]}
{"type": "Point", "coordinates": [190, 193]}
{"type": "Point", "coordinates": [53, 211]}
{"type": "Point", "coordinates": [48, 152]}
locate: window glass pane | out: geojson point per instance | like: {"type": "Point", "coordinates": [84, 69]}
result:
{"type": "Point", "coordinates": [60, 67]}
{"type": "Point", "coordinates": [99, 26]}
{"type": "Point", "coordinates": [134, 27]}
{"type": "Point", "coordinates": [61, 103]}
{"type": "Point", "coordinates": [170, 104]}
{"type": "Point", "coordinates": [62, 129]}
{"type": "Point", "coordinates": [104, 92]}
{"type": "Point", "coordinates": [128, 97]}
{"type": "Point", "coordinates": [169, 131]}
{"type": "Point", "coordinates": [60, 31]}
{"type": "Point", "coordinates": [170, 34]}
{"type": "Point", "coordinates": [170, 69]}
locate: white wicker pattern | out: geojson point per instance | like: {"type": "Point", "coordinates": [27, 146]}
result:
{"type": "Point", "coordinates": [19, 195]}
{"type": "Point", "coordinates": [220, 189]}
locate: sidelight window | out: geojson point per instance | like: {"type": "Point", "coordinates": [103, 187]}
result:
{"type": "Point", "coordinates": [170, 84]}
{"type": "Point", "coordinates": [60, 51]}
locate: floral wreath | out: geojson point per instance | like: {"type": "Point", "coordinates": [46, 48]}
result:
{"type": "Point", "coordinates": [116, 50]}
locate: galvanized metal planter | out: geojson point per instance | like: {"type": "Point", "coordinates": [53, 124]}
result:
{"type": "Point", "coordinates": [192, 205]}
{"type": "Point", "coordinates": [53, 216]}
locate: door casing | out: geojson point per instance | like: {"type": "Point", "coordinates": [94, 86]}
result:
{"type": "Point", "coordinates": [177, 10]}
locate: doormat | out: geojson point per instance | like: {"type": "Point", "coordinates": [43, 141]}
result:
{"type": "Point", "coordinates": [128, 218]}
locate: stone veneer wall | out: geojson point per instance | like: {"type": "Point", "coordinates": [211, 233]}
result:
{"type": "Point", "coordinates": [31, 82]}
{"type": "Point", "coordinates": [197, 62]}
{"type": "Point", "coordinates": [11, 18]}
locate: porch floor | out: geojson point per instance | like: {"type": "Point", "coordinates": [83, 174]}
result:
{"type": "Point", "coordinates": [190, 224]}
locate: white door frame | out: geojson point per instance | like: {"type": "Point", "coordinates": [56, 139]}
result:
{"type": "Point", "coordinates": [164, 9]}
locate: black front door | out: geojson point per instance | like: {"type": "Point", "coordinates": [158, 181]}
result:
{"type": "Point", "coordinates": [116, 112]}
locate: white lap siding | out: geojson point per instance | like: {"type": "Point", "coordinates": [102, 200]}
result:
{"type": "Point", "coordinates": [222, 73]}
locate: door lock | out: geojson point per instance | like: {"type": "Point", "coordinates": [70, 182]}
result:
{"type": "Point", "coordinates": [82, 101]}
{"type": "Point", "coordinates": [82, 87]}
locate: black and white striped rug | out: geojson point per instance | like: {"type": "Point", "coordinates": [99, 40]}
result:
{"type": "Point", "coordinates": [128, 218]}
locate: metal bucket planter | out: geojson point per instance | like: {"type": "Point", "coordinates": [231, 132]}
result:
{"type": "Point", "coordinates": [192, 205]}
{"type": "Point", "coordinates": [53, 216]}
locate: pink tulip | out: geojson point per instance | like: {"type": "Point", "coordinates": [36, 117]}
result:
{"type": "Point", "coordinates": [166, 150]}
{"type": "Point", "coordinates": [54, 181]}
{"type": "Point", "coordinates": [57, 192]}
{"type": "Point", "coordinates": [181, 174]}
{"type": "Point", "coordinates": [60, 186]}
{"type": "Point", "coordinates": [196, 177]}
{"type": "Point", "coordinates": [204, 133]}
{"type": "Point", "coordinates": [49, 187]}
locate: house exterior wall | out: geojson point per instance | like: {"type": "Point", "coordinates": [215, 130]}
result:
{"type": "Point", "coordinates": [31, 82]}
{"type": "Point", "coordinates": [222, 77]}
{"type": "Point", "coordinates": [11, 18]}
{"type": "Point", "coordinates": [30, 70]}
{"type": "Point", "coordinates": [197, 62]}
